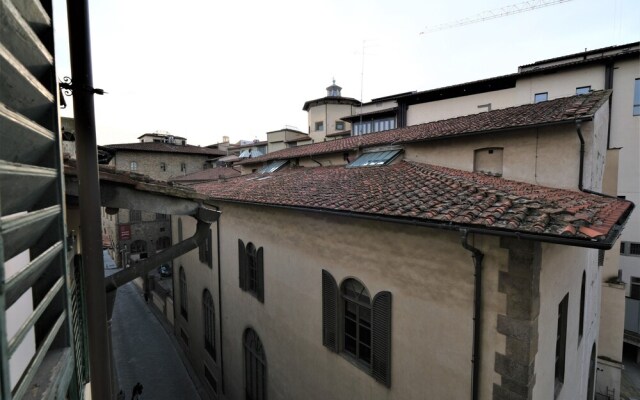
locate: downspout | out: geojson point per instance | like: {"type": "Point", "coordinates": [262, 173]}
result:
{"type": "Point", "coordinates": [477, 256]}
{"type": "Point", "coordinates": [608, 85]}
{"type": "Point", "coordinates": [100, 359]}
{"type": "Point", "coordinates": [581, 171]}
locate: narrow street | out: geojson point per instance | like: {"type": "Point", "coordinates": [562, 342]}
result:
{"type": "Point", "coordinates": [144, 352]}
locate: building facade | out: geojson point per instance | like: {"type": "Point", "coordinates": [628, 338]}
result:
{"type": "Point", "coordinates": [355, 268]}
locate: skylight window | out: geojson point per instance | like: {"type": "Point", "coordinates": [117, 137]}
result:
{"type": "Point", "coordinates": [273, 166]}
{"type": "Point", "coordinates": [375, 158]}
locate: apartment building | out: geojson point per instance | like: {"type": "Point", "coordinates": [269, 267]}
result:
{"type": "Point", "coordinates": [449, 258]}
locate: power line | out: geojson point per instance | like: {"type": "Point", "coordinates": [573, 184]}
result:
{"type": "Point", "coordinates": [496, 13]}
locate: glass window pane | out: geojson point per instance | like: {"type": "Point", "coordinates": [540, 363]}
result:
{"type": "Point", "coordinates": [365, 336]}
{"type": "Point", "coordinates": [350, 327]}
{"type": "Point", "coordinates": [365, 353]}
{"type": "Point", "coordinates": [350, 345]}
{"type": "Point", "coordinates": [365, 316]}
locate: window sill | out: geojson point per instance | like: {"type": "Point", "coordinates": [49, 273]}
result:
{"type": "Point", "coordinates": [361, 365]}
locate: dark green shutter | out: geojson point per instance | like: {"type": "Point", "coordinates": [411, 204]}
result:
{"type": "Point", "coordinates": [260, 275]}
{"type": "Point", "coordinates": [329, 311]}
{"type": "Point", "coordinates": [209, 249]}
{"type": "Point", "coordinates": [381, 341]}
{"type": "Point", "coordinates": [242, 265]}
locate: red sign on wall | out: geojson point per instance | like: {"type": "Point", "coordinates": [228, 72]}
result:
{"type": "Point", "coordinates": [125, 232]}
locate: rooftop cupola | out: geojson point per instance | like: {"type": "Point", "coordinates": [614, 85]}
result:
{"type": "Point", "coordinates": [334, 90]}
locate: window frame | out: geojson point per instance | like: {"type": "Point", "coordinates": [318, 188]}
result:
{"type": "Point", "coordinates": [636, 98]}
{"type": "Point", "coordinates": [319, 126]}
{"type": "Point", "coordinates": [537, 98]}
{"type": "Point", "coordinates": [333, 327]}
{"type": "Point", "coordinates": [133, 166]}
{"type": "Point", "coordinates": [254, 356]}
{"type": "Point", "coordinates": [583, 90]}
{"type": "Point", "coordinates": [340, 125]}
{"type": "Point", "coordinates": [360, 306]}
{"type": "Point", "coordinates": [163, 166]}
{"type": "Point", "coordinates": [251, 269]}
{"type": "Point", "coordinates": [561, 344]}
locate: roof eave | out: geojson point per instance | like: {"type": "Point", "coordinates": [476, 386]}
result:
{"type": "Point", "coordinates": [605, 244]}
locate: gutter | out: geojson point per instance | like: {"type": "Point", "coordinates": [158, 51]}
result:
{"type": "Point", "coordinates": [477, 256]}
{"type": "Point", "coordinates": [567, 241]}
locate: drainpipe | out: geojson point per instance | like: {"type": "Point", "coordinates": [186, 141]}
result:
{"type": "Point", "coordinates": [581, 171]}
{"type": "Point", "coordinates": [477, 256]}
{"type": "Point", "coordinates": [89, 197]}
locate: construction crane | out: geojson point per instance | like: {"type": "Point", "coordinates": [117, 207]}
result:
{"type": "Point", "coordinates": [496, 13]}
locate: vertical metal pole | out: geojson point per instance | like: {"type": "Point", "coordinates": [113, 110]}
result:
{"type": "Point", "coordinates": [89, 194]}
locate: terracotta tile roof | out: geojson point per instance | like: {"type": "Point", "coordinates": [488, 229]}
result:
{"type": "Point", "coordinates": [210, 174]}
{"type": "Point", "coordinates": [433, 194]}
{"type": "Point", "coordinates": [555, 111]}
{"type": "Point", "coordinates": [166, 148]}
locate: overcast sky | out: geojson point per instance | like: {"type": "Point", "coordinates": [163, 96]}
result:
{"type": "Point", "coordinates": [203, 69]}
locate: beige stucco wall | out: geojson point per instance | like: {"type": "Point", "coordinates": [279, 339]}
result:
{"type": "Point", "coordinates": [544, 156]}
{"type": "Point", "coordinates": [561, 273]}
{"type": "Point", "coordinates": [625, 133]}
{"type": "Point", "coordinates": [329, 114]}
{"type": "Point", "coordinates": [558, 84]}
{"type": "Point", "coordinates": [428, 272]}
{"type": "Point", "coordinates": [149, 163]}
{"type": "Point", "coordinates": [199, 277]}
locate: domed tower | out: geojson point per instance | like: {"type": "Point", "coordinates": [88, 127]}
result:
{"type": "Point", "coordinates": [325, 114]}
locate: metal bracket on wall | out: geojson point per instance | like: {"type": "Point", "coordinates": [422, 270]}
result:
{"type": "Point", "coordinates": [66, 88]}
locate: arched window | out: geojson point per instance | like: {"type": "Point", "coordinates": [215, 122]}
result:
{"type": "Point", "coordinates": [356, 304]}
{"type": "Point", "coordinates": [255, 367]}
{"type": "Point", "coordinates": [354, 324]}
{"type": "Point", "coordinates": [209, 323]}
{"type": "Point", "coordinates": [251, 272]}
{"type": "Point", "coordinates": [133, 166]}
{"type": "Point", "coordinates": [184, 305]}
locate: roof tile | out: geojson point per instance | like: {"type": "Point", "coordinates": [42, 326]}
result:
{"type": "Point", "coordinates": [432, 193]}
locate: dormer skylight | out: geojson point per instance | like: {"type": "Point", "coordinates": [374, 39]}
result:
{"type": "Point", "coordinates": [375, 158]}
{"type": "Point", "coordinates": [273, 166]}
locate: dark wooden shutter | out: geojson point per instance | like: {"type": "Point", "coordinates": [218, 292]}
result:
{"type": "Point", "coordinates": [242, 265]}
{"type": "Point", "coordinates": [329, 311]}
{"type": "Point", "coordinates": [260, 275]}
{"type": "Point", "coordinates": [381, 341]}
{"type": "Point", "coordinates": [209, 249]}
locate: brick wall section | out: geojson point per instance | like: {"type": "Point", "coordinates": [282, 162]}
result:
{"type": "Point", "coordinates": [521, 284]}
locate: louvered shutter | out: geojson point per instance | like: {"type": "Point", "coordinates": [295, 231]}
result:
{"type": "Point", "coordinates": [329, 311]}
{"type": "Point", "coordinates": [260, 275]}
{"type": "Point", "coordinates": [242, 265]}
{"type": "Point", "coordinates": [381, 341]}
{"type": "Point", "coordinates": [209, 250]}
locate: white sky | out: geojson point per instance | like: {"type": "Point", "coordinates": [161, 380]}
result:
{"type": "Point", "coordinates": [202, 69]}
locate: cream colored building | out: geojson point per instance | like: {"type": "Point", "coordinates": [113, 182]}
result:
{"type": "Point", "coordinates": [429, 224]}
{"type": "Point", "coordinates": [616, 68]}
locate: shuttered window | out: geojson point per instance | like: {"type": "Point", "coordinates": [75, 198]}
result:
{"type": "Point", "coordinates": [184, 306]}
{"type": "Point", "coordinates": [561, 342]}
{"type": "Point", "coordinates": [354, 325]}
{"type": "Point", "coordinates": [251, 269]}
{"type": "Point", "coordinates": [255, 367]}
{"type": "Point", "coordinates": [209, 324]}
{"type": "Point", "coordinates": [205, 252]}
